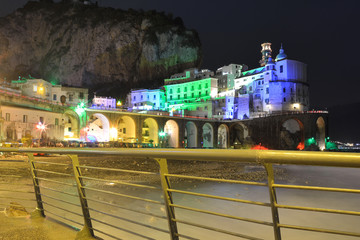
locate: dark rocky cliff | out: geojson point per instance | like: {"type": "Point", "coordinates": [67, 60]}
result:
{"type": "Point", "coordinates": [104, 49]}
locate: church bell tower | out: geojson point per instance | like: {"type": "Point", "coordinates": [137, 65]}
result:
{"type": "Point", "coordinates": [266, 53]}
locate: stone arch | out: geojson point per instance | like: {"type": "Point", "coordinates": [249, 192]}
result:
{"type": "Point", "coordinates": [150, 131]}
{"type": "Point", "coordinates": [208, 135]}
{"type": "Point", "coordinates": [292, 134]}
{"type": "Point", "coordinates": [320, 133]}
{"type": "Point", "coordinates": [238, 134]}
{"type": "Point", "coordinates": [71, 123]}
{"type": "Point", "coordinates": [172, 133]}
{"type": "Point", "coordinates": [126, 129]}
{"type": "Point", "coordinates": [223, 136]}
{"type": "Point", "coordinates": [191, 136]}
{"type": "Point", "coordinates": [98, 128]}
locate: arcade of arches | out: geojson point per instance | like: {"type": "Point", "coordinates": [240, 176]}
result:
{"type": "Point", "coordinates": [196, 134]}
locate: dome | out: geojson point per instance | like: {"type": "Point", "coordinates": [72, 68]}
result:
{"type": "Point", "coordinates": [281, 54]}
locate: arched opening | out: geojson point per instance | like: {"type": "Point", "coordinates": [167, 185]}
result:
{"type": "Point", "coordinates": [71, 125]}
{"type": "Point", "coordinates": [172, 133]}
{"type": "Point", "coordinates": [223, 136]}
{"type": "Point", "coordinates": [320, 133]}
{"type": "Point", "coordinates": [150, 131]}
{"type": "Point", "coordinates": [126, 130]}
{"type": "Point", "coordinates": [292, 135]}
{"type": "Point", "coordinates": [191, 138]}
{"type": "Point", "coordinates": [98, 129]}
{"type": "Point", "coordinates": [208, 135]}
{"type": "Point", "coordinates": [238, 135]}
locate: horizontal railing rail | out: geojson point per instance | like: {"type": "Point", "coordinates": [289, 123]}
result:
{"type": "Point", "coordinates": [87, 191]}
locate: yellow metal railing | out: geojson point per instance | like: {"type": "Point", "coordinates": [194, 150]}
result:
{"type": "Point", "coordinates": [162, 157]}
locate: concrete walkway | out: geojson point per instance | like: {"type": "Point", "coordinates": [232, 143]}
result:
{"type": "Point", "coordinates": [36, 228]}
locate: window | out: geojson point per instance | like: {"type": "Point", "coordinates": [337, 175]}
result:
{"type": "Point", "coordinates": [262, 82]}
{"type": "Point", "coordinates": [69, 129]}
{"type": "Point", "coordinates": [185, 95]}
{"type": "Point", "coordinates": [192, 95]}
{"type": "Point", "coordinates": [250, 88]}
{"type": "Point", "coordinates": [154, 97]}
{"type": "Point", "coordinates": [291, 90]}
{"type": "Point", "coordinates": [141, 97]}
{"type": "Point", "coordinates": [170, 97]}
{"type": "Point", "coordinates": [25, 118]}
{"type": "Point", "coordinates": [170, 90]}
{"type": "Point", "coordinates": [54, 97]}
{"type": "Point", "coordinates": [134, 98]}
{"type": "Point", "coordinates": [192, 88]}
{"type": "Point", "coordinates": [56, 122]}
{"type": "Point", "coordinates": [199, 94]}
{"type": "Point", "coordinates": [228, 99]}
{"type": "Point", "coordinates": [267, 67]}
{"type": "Point", "coordinates": [185, 89]}
{"type": "Point", "coordinates": [267, 90]}
{"type": "Point", "coordinates": [178, 90]}
{"type": "Point", "coordinates": [148, 97]}
{"type": "Point", "coordinates": [284, 89]}
{"type": "Point", "coordinates": [206, 92]}
{"type": "Point", "coordinates": [205, 107]}
{"type": "Point", "coordinates": [34, 88]}
{"type": "Point", "coordinates": [7, 118]}
{"type": "Point", "coordinates": [178, 96]}
{"type": "Point", "coordinates": [71, 98]}
{"type": "Point", "coordinates": [281, 68]}
{"type": "Point", "coordinates": [42, 119]}
{"type": "Point", "coordinates": [284, 99]}
{"type": "Point", "coordinates": [206, 85]}
{"type": "Point", "coordinates": [267, 101]}
{"type": "Point", "coordinates": [81, 95]}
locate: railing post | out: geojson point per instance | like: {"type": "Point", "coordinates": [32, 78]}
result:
{"type": "Point", "coordinates": [165, 183]}
{"type": "Point", "coordinates": [87, 231]}
{"type": "Point", "coordinates": [39, 205]}
{"type": "Point", "coordinates": [273, 201]}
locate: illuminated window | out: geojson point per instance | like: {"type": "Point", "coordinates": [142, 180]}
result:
{"type": "Point", "coordinates": [25, 118]}
{"type": "Point", "coordinates": [281, 68]}
{"type": "Point", "coordinates": [34, 88]}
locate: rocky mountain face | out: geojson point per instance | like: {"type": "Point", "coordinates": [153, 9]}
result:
{"type": "Point", "coordinates": [104, 49]}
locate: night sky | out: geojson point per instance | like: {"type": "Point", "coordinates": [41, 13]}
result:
{"type": "Point", "coordinates": [324, 34]}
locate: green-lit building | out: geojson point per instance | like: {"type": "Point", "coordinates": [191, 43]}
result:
{"type": "Point", "coordinates": [191, 93]}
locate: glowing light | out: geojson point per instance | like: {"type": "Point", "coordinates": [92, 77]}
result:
{"type": "Point", "coordinates": [41, 90]}
{"type": "Point", "coordinates": [259, 147]}
{"type": "Point", "coordinates": [118, 103]}
{"type": "Point", "coordinates": [296, 105]}
{"type": "Point", "coordinates": [113, 133]}
{"type": "Point", "coordinates": [162, 134]}
{"type": "Point", "coordinates": [80, 109]}
{"type": "Point", "coordinates": [301, 146]}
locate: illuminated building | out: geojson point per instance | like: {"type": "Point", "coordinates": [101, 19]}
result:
{"type": "Point", "coordinates": [191, 93]}
{"type": "Point", "coordinates": [235, 92]}
{"type": "Point", "coordinates": [146, 99]}
{"type": "Point", "coordinates": [104, 102]}
{"type": "Point", "coordinates": [42, 89]}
